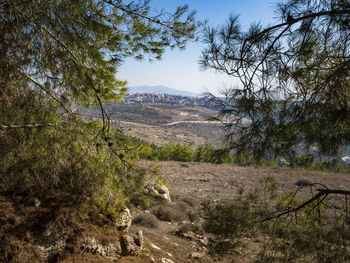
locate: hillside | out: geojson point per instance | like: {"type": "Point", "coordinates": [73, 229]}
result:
{"type": "Point", "coordinates": [164, 241]}
{"type": "Point", "coordinates": [163, 122]}
{"type": "Point", "coordinates": [218, 184]}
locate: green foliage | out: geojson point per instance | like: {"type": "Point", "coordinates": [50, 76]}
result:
{"type": "Point", "coordinates": [75, 46]}
{"type": "Point", "coordinates": [207, 153]}
{"type": "Point", "coordinates": [59, 55]}
{"type": "Point", "coordinates": [293, 88]}
{"type": "Point", "coordinates": [63, 154]}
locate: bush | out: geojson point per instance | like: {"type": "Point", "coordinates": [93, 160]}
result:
{"type": "Point", "coordinates": [176, 212]}
{"type": "Point", "coordinates": [171, 213]}
{"type": "Point", "coordinates": [315, 233]}
{"type": "Point", "coordinates": [147, 220]}
{"type": "Point", "coordinates": [191, 201]}
{"type": "Point", "coordinates": [185, 228]}
{"type": "Point", "coordinates": [63, 152]}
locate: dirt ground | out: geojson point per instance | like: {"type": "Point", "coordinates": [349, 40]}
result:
{"type": "Point", "coordinates": [218, 183]}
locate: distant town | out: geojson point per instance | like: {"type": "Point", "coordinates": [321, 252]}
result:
{"type": "Point", "coordinates": [165, 98]}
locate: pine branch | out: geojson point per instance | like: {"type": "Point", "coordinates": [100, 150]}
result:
{"type": "Point", "coordinates": [45, 90]}
{"type": "Point", "coordinates": [296, 20]}
{"type": "Point", "coordinates": [321, 193]}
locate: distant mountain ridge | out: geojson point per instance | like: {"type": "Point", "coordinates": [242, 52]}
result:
{"type": "Point", "coordinates": [161, 89]}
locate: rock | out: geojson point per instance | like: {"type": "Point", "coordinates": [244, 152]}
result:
{"type": "Point", "coordinates": [123, 222]}
{"type": "Point", "coordinates": [166, 260]}
{"type": "Point", "coordinates": [204, 241]}
{"type": "Point", "coordinates": [52, 242]}
{"type": "Point", "coordinates": [196, 255]}
{"type": "Point", "coordinates": [36, 203]}
{"type": "Point", "coordinates": [159, 191]}
{"type": "Point", "coordinates": [139, 238]}
{"type": "Point", "coordinates": [111, 251]}
{"type": "Point", "coordinates": [154, 246]}
{"type": "Point", "coordinates": [189, 235]}
{"type": "Point", "coordinates": [164, 193]}
{"type": "Point", "coordinates": [132, 245]}
{"type": "Point", "coordinates": [152, 260]}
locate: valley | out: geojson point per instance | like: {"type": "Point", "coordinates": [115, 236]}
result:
{"type": "Point", "coordinates": [159, 123]}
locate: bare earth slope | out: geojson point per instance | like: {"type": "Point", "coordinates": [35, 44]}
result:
{"type": "Point", "coordinates": [218, 183]}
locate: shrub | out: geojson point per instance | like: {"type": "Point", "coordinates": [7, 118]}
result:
{"type": "Point", "coordinates": [185, 228]}
{"type": "Point", "coordinates": [191, 201]}
{"type": "Point", "coordinates": [171, 213]}
{"type": "Point", "coordinates": [63, 152]}
{"type": "Point", "coordinates": [147, 220]}
{"type": "Point", "coordinates": [315, 233]}
{"type": "Point", "coordinates": [176, 212]}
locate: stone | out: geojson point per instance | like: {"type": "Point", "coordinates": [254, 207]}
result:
{"type": "Point", "coordinates": [159, 191]}
{"type": "Point", "coordinates": [111, 251]}
{"type": "Point", "coordinates": [131, 246]}
{"type": "Point", "coordinates": [164, 193]}
{"type": "Point", "coordinates": [189, 235]}
{"type": "Point", "coordinates": [154, 246]}
{"type": "Point", "coordinates": [196, 255]}
{"type": "Point", "coordinates": [52, 242]}
{"type": "Point", "coordinates": [166, 260]}
{"type": "Point", "coordinates": [123, 222]}
{"type": "Point", "coordinates": [204, 241]}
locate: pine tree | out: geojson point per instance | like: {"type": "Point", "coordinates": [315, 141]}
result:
{"type": "Point", "coordinates": [58, 55]}
{"type": "Point", "coordinates": [292, 79]}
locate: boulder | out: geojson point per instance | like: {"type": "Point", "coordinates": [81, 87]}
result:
{"type": "Point", "coordinates": [164, 193]}
{"type": "Point", "coordinates": [111, 251]}
{"type": "Point", "coordinates": [123, 222]}
{"type": "Point", "coordinates": [52, 242]}
{"type": "Point", "coordinates": [159, 191]}
{"type": "Point", "coordinates": [132, 245]}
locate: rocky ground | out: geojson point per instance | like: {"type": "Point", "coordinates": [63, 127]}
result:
{"type": "Point", "coordinates": [218, 183]}
{"type": "Point", "coordinates": [54, 229]}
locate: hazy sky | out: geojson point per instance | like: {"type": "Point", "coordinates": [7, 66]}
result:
{"type": "Point", "coordinates": [180, 69]}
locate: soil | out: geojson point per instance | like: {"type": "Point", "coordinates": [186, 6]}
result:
{"type": "Point", "coordinates": [218, 183]}
{"type": "Point", "coordinates": [221, 182]}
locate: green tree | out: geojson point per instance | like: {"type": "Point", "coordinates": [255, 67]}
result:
{"type": "Point", "coordinates": [291, 94]}
{"type": "Point", "coordinates": [292, 79]}
{"type": "Point", "coordinates": [59, 55]}
{"type": "Point", "coordinates": [70, 50]}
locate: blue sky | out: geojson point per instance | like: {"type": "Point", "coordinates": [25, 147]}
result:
{"type": "Point", "coordinates": [180, 69]}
